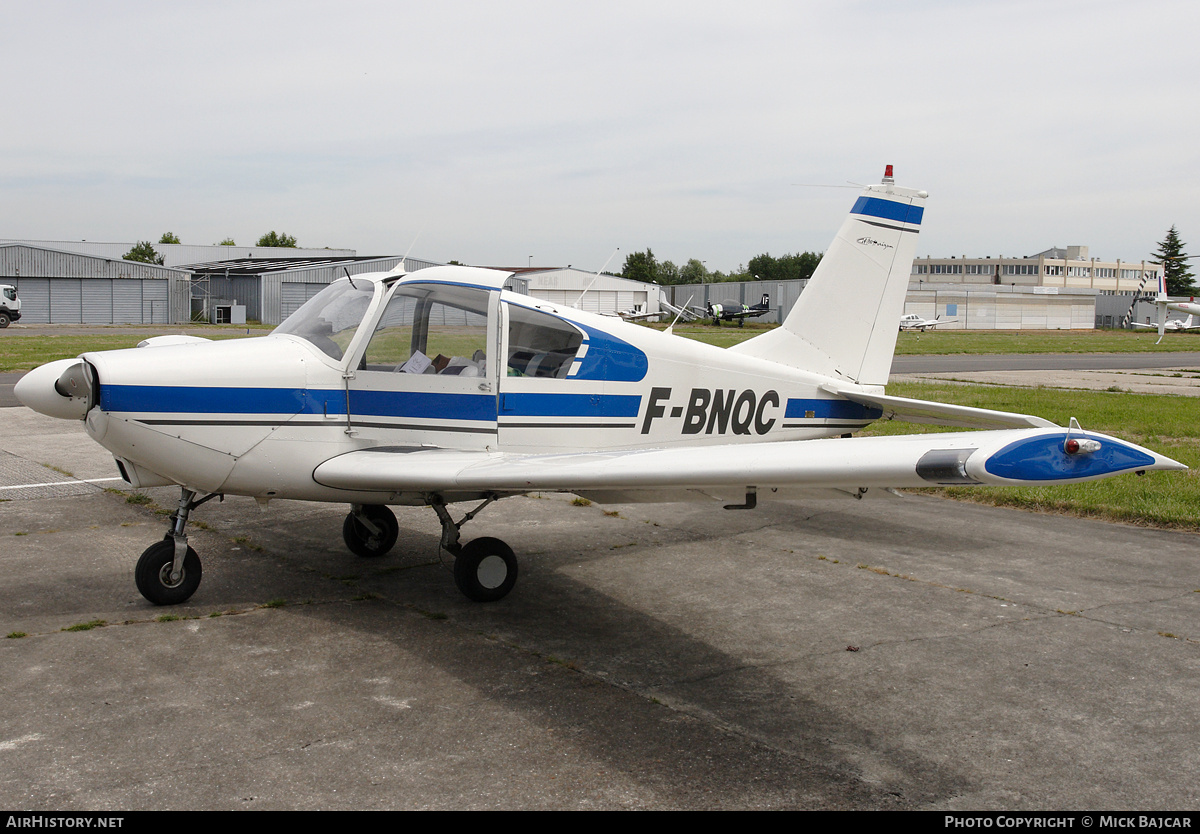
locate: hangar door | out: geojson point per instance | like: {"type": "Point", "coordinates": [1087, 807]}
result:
{"type": "Point", "coordinates": [93, 301]}
{"type": "Point", "coordinates": [293, 294]}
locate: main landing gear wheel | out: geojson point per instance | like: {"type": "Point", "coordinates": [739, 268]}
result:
{"type": "Point", "coordinates": [153, 574]}
{"type": "Point", "coordinates": [359, 537]}
{"type": "Point", "coordinates": [485, 570]}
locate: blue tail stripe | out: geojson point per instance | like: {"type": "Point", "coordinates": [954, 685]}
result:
{"type": "Point", "coordinates": [888, 210]}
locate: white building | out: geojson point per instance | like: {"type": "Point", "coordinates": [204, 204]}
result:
{"type": "Point", "coordinates": [1066, 268]}
{"type": "Point", "coordinates": [606, 294]}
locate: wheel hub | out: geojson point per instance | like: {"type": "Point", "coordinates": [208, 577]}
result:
{"type": "Point", "coordinates": [492, 572]}
{"type": "Point", "coordinates": [164, 576]}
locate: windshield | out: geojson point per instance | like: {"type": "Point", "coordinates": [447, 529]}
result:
{"type": "Point", "coordinates": [330, 318]}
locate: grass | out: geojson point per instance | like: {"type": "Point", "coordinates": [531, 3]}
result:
{"type": "Point", "coordinates": [723, 336]}
{"type": "Point", "coordinates": [1165, 424]}
{"type": "Point", "coordinates": [950, 342]}
{"type": "Point", "coordinates": [24, 353]}
{"type": "Point", "coordinates": [1041, 341]}
{"type": "Point", "coordinates": [88, 626]}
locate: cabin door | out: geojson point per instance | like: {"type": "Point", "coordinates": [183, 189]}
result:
{"type": "Point", "coordinates": [428, 375]}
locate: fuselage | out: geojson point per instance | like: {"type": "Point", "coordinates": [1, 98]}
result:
{"type": "Point", "coordinates": [440, 358]}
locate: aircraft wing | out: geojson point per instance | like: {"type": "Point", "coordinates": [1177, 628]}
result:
{"type": "Point", "coordinates": [940, 414]}
{"type": "Point", "coordinates": [1027, 456]}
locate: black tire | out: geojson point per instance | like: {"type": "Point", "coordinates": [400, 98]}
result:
{"type": "Point", "coordinates": [153, 574]}
{"type": "Point", "coordinates": [4, 320]}
{"type": "Point", "coordinates": [485, 570]}
{"type": "Point", "coordinates": [359, 539]}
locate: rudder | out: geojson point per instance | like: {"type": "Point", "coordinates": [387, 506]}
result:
{"type": "Point", "coordinates": [845, 323]}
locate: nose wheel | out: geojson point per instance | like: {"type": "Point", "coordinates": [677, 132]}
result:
{"type": "Point", "coordinates": [168, 572]}
{"type": "Point", "coordinates": [155, 569]}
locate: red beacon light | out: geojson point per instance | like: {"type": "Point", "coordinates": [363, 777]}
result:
{"type": "Point", "coordinates": [887, 173]}
{"type": "Point", "coordinates": [1076, 447]}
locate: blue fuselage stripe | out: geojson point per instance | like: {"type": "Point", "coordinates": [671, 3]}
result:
{"type": "Point", "coordinates": [888, 210]}
{"type": "Point", "coordinates": [430, 406]}
{"type": "Point", "coordinates": [829, 410]}
{"type": "Point", "coordinates": [170, 399]}
{"type": "Point", "coordinates": [570, 405]}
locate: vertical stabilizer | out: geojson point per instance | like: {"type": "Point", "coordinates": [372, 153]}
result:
{"type": "Point", "coordinates": [845, 323]}
{"type": "Point", "coordinates": [1160, 301]}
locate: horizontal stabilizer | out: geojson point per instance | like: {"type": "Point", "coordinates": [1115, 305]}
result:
{"type": "Point", "coordinates": [940, 414]}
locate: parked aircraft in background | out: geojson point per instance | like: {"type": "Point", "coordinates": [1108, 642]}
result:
{"type": "Point", "coordinates": [439, 387]}
{"type": "Point", "coordinates": [637, 313]}
{"type": "Point", "coordinates": [912, 321]}
{"type": "Point", "coordinates": [1164, 304]}
{"type": "Point", "coordinates": [733, 311]}
{"type": "Point", "coordinates": [1174, 325]}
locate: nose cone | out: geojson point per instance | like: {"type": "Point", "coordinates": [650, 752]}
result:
{"type": "Point", "coordinates": [57, 389]}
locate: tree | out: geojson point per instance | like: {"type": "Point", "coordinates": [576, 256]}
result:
{"type": "Point", "coordinates": [693, 272]}
{"type": "Point", "coordinates": [271, 238]}
{"type": "Point", "coordinates": [640, 266]}
{"type": "Point", "coordinates": [143, 252]}
{"type": "Point", "coordinates": [227, 242]}
{"type": "Point", "coordinates": [1173, 259]}
{"type": "Point", "coordinates": [169, 237]}
{"type": "Point", "coordinates": [784, 268]}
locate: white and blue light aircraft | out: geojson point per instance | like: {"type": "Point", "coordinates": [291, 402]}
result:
{"type": "Point", "coordinates": [439, 387]}
{"type": "Point", "coordinates": [1164, 304]}
{"type": "Point", "coordinates": [1174, 325]}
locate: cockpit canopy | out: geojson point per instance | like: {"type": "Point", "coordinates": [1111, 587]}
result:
{"type": "Point", "coordinates": [330, 318]}
{"type": "Point", "coordinates": [443, 327]}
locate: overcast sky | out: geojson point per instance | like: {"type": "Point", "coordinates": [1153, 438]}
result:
{"type": "Point", "coordinates": [490, 132]}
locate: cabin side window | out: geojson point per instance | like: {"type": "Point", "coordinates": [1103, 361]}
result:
{"type": "Point", "coordinates": [539, 344]}
{"type": "Point", "coordinates": [431, 330]}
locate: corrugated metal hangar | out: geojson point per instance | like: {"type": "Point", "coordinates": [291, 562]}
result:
{"type": "Point", "coordinates": [588, 291]}
{"type": "Point", "coordinates": [272, 289]}
{"type": "Point", "coordinates": [69, 288]}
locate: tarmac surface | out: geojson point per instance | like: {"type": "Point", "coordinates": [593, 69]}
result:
{"type": "Point", "coordinates": [910, 653]}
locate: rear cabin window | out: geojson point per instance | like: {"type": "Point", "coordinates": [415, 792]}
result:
{"type": "Point", "coordinates": [539, 344]}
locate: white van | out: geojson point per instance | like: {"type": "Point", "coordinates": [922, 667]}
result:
{"type": "Point", "coordinates": [10, 305]}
